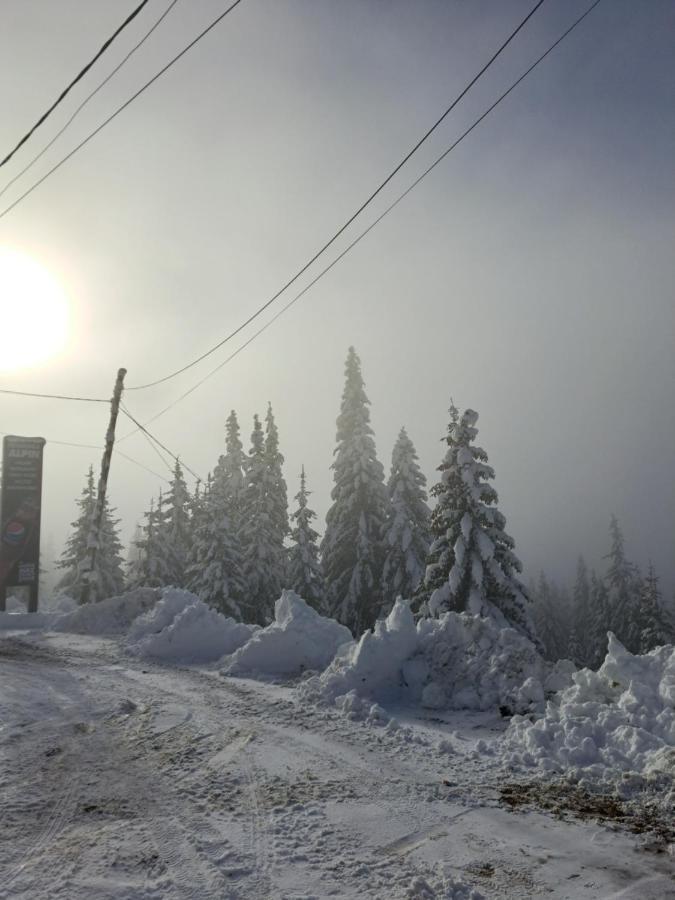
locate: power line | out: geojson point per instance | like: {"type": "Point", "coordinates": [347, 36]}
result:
{"type": "Point", "coordinates": [373, 224]}
{"type": "Point", "coordinates": [88, 98]}
{"type": "Point", "coordinates": [157, 451]}
{"type": "Point", "coordinates": [53, 396]}
{"type": "Point", "coordinates": [99, 447]}
{"type": "Point", "coordinates": [119, 109]}
{"type": "Point", "coordinates": [75, 80]}
{"type": "Point", "coordinates": [159, 443]}
{"type": "Point", "coordinates": [354, 215]}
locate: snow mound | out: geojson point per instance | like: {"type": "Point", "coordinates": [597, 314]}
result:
{"type": "Point", "coordinates": [60, 603]}
{"type": "Point", "coordinates": [23, 621]}
{"type": "Point", "coordinates": [460, 661]}
{"type": "Point", "coordinates": [606, 724]}
{"type": "Point", "coordinates": [172, 601]}
{"type": "Point", "coordinates": [108, 617]}
{"type": "Point", "coordinates": [298, 639]}
{"type": "Point", "coordinates": [183, 629]}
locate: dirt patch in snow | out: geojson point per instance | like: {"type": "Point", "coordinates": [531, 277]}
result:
{"type": "Point", "coordinates": [564, 799]}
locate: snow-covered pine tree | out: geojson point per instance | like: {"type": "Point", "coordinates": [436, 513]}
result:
{"type": "Point", "coordinates": [277, 496]}
{"type": "Point", "coordinates": [406, 531]}
{"type": "Point", "coordinates": [214, 572]}
{"type": "Point", "coordinates": [471, 564]}
{"type": "Point", "coordinates": [653, 626]}
{"type": "Point", "coordinates": [176, 527]}
{"type": "Point", "coordinates": [152, 567]}
{"type": "Point", "coordinates": [74, 557]}
{"type": "Point", "coordinates": [260, 535]}
{"type": "Point", "coordinates": [623, 583]}
{"type": "Point", "coordinates": [229, 474]}
{"type": "Point", "coordinates": [352, 550]}
{"type": "Point", "coordinates": [549, 617]}
{"type": "Point", "coordinates": [108, 577]}
{"type": "Point", "coordinates": [578, 649]}
{"type": "Point", "coordinates": [305, 573]}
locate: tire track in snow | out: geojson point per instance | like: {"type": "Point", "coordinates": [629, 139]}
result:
{"type": "Point", "coordinates": [60, 815]}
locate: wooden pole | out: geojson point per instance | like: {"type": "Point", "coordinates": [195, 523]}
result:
{"type": "Point", "coordinates": [93, 542]}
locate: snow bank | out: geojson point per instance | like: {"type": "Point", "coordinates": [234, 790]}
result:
{"type": "Point", "coordinates": [618, 720]}
{"type": "Point", "coordinates": [60, 603]}
{"type": "Point", "coordinates": [23, 621]}
{"type": "Point", "coordinates": [460, 661]}
{"type": "Point", "coordinates": [108, 617]}
{"type": "Point", "coordinates": [298, 639]}
{"type": "Point", "coordinates": [181, 628]}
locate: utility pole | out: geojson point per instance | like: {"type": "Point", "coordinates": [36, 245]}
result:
{"type": "Point", "coordinates": [95, 531]}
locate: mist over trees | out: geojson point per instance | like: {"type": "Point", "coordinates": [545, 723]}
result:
{"type": "Point", "coordinates": [234, 543]}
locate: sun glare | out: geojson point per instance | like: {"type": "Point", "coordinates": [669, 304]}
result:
{"type": "Point", "coordinates": [33, 312]}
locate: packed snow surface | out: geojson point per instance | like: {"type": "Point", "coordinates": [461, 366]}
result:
{"type": "Point", "coordinates": [607, 724]}
{"type": "Point", "coordinates": [181, 628]}
{"type": "Point", "coordinates": [457, 662]}
{"type": "Point", "coordinates": [108, 617]}
{"type": "Point", "coordinates": [298, 639]}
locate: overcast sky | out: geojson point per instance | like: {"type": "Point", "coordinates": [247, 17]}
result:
{"type": "Point", "coordinates": [529, 277]}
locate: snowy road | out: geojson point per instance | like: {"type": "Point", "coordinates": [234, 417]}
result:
{"type": "Point", "coordinates": [125, 780]}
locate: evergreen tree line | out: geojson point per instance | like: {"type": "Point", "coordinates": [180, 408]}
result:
{"type": "Point", "coordinates": [574, 624]}
{"type": "Point", "coordinates": [234, 544]}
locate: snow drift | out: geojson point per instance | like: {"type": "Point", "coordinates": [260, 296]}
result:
{"type": "Point", "coordinates": [181, 628]}
{"type": "Point", "coordinates": [298, 639]}
{"type": "Point", "coordinates": [460, 661]}
{"type": "Point", "coordinates": [108, 617]}
{"type": "Point", "coordinates": [606, 724]}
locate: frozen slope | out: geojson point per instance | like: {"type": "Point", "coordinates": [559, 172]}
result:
{"type": "Point", "coordinates": [124, 779]}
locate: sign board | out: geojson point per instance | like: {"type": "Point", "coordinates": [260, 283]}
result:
{"type": "Point", "coordinates": [20, 515]}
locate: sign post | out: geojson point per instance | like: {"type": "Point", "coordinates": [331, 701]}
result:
{"type": "Point", "coordinates": [20, 516]}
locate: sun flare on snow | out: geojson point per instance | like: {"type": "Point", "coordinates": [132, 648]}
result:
{"type": "Point", "coordinates": [33, 312]}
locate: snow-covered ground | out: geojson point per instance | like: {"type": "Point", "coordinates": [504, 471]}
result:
{"type": "Point", "coordinates": [125, 778]}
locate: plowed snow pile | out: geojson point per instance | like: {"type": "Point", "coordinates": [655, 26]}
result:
{"type": "Point", "coordinates": [298, 639]}
{"type": "Point", "coordinates": [460, 661]}
{"type": "Point", "coordinates": [607, 724]}
{"type": "Point", "coordinates": [180, 628]}
{"type": "Point", "coordinates": [111, 616]}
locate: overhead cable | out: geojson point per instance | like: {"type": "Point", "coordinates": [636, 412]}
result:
{"type": "Point", "coordinates": [75, 80]}
{"type": "Point", "coordinates": [354, 215]}
{"type": "Point", "coordinates": [159, 443]}
{"type": "Point", "coordinates": [119, 109]}
{"type": "Point", "coordinates": [54, 396]}
{"type": "Point", "coordinates": [367, 230]}
{"type": "Point", "coordinates": [98, 447]}
{"type": "Point", "coordinates": [88, 98]}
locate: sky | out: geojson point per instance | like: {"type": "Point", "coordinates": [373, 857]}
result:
{"type": "Point", "coordinates": [529, 277]}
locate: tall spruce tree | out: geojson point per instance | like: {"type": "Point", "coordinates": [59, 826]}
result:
{"type": "Point", "coordinates": [174, 522]}
{"type": "Point", "coordinates": [578, 649]}
{"type": "Point", "coordinates": [229, 474]}
{"type": "Point", "coordinates": [549, 615]}
{"type": "Point", "coordinates": [108, 576]}
{"type": "Point", "coordinates": [305, 573]}
{"type": "Point", "coordinates": [277, 495]}
{"type": "Point", "coordinates": [214, 572]}
{"type": "Point", "coordinates": [152, 567]}
{"type": "Point", "coordinates": [406, 530]}
{"type": "Point", "coordinates": [352, 549]}
{"type": "Point", "coordinates": [263, 575]}
{"type": "Point", "coordinates": [653, 626]}
{"type": "Point", "coordinates": [623, 583]}
{"type": "Point", "coordinates": [471, 564]}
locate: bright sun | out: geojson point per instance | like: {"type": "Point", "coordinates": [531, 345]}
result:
{"type": "Point", "coordinates": [33, 312]}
